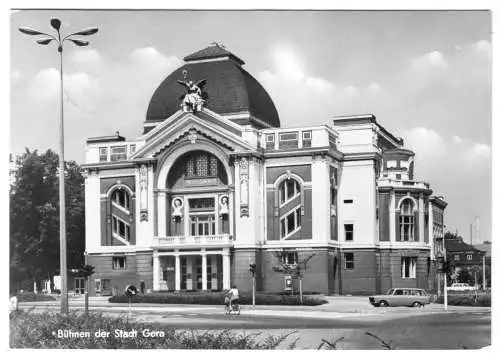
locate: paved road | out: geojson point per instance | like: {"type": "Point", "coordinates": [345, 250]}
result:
{"type": "Point", "coordinates": [408, 328]}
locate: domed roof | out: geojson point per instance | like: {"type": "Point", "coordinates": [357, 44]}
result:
{"type": "Point", "coordinates": [231, 90]}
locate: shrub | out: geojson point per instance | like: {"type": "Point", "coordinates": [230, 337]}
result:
{"type": "Point", "coordinates": [29, 330]}
{"type": "Point", "coordinates": [470, 299]}
{"type": "Point", "coordinates": [27, 297]}
{"type": "Point", "coordinates": [209, 298]}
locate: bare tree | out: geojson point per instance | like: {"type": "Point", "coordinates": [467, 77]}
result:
{"type": "Point", "coordinates": [295, 269]}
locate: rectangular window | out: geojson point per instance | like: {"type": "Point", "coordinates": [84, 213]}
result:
{"type": "Point", "coordinates": [288, 136]}
{"type": "Point", "coordinates": [408, 267]}
{"type": "Point", "coordinates": [105, 284]}
{"type": "Point", "coordinates": [119, 263]}
{"type": "Point", "coordinates": [391, 164]}
{"type": "Point", "coordinates": [270, 141]}
{"type": "Point", "coordinates": [290, 257]}
{"type": "Point", "coordinates": [349, 232]}
{"type": "Point", "coordinates": [348, 201]}
{"type": "Point", "coordinates": [103, 154]}
{"type": "Point", "coordinates": [289, 140]}
{"type": "Point", "coordinates": [456, 257]}
{"type": "Point", "coordinates": [132, 148]}
{"type": "Point", "coordinates": [306, 139]}
{"type": "Point", "coordinates": [406, 228]}
{"type": "Point", "coordinates": [118, 153]}
{"type": "Point", "coordinates": [349, 261]}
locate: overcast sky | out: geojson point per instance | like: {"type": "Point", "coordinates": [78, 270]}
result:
{"type": "Point", "coordinates": [425, 75]}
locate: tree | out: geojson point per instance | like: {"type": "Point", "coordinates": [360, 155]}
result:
{"type": "Point", "coordinates": [294, 269]}
{"type": "Point", "coordinates": [86, 271]}
{"type": "Point", "coordinates": [34, 217]}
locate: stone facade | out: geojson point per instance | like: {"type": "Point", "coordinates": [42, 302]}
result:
{"type": "Point", "coordinates": [201, 195]}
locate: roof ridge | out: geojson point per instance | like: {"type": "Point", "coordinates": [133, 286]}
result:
{"type": "Point", "coordinates": [213, 51]}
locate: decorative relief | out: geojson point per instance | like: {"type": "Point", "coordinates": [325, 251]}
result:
{"type": "Point", "coordinates": [244, 164]}
{"type": "Point", "coordinates": [224, 205]}
{"type": "Point", "coordinates": [143, 192]}
{"type": "Point", "coordinates": [244, 176]}
{"type": "Point", "coordinates": [193, 136]}
{"type": "Point", "coordinates": [177, 207]}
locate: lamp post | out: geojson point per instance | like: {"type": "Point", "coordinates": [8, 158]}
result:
{"type": "Point", "coordinates": [59, 40]}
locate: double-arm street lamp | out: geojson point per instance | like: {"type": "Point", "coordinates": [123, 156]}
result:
{"type": "Point", "coordinates": [59, 40]}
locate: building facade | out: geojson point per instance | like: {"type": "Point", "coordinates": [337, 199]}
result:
{"type": "Point", "coordinates": [214, 184]}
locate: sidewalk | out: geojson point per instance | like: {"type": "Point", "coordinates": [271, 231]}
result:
{"type": "Point", "coordinates": [336, 307]}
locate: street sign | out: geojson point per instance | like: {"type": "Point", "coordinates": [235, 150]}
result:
{"type": "Point", "coordinates": [131, 291]}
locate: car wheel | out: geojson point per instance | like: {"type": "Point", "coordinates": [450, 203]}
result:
{"type": "Point", "coordinates": [383, 303]}
{"type": "Point", "coordinates": [417, 304]}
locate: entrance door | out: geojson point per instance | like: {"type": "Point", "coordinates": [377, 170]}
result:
{"type": "Point", "coordinates": [79, 285]}
{"type": "Point", "coordinates": [98, 286]}
{"type": "Point", "coordinates": [169, 272]}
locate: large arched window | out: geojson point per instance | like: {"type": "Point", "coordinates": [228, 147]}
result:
{"type": "Point", "coordinates": [407, 221]}
{"type": "Point", "coordinates": [290, 207]}
{"type": "Point", "coordinates": [120, 212]}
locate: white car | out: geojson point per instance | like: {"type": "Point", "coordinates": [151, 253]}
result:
{"type": "Point", "coordinates": [461, 287]}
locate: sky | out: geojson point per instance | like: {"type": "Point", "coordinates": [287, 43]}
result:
{"type": "Point", "coordinates": [426, 75]}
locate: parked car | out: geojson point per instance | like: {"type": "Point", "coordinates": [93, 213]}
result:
{"type": "Point", "coordinates": [401, 297]}
{"type": "Point", "coordinates": [461, 287]}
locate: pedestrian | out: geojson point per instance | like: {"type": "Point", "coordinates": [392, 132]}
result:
{"type": "Point", "coordinates": [143, 285]}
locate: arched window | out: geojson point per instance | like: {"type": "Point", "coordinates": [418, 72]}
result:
{"type": "Point", "coordinates": [290, 215]}
{"type": "Point", "coordinates": [407, 221]}
{"type": "Point", "coordinates": [120, 213]}
{"type": "Point", "coordinates": [288, 190]}
{"type": "Point", "coordinates": [201, 165]}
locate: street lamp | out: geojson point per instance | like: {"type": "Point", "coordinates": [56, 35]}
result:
{"type": "Point", "coordinates": [56, 24]}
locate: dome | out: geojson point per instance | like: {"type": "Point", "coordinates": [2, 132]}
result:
{"type": "Point", "coordinates": [231, 90]}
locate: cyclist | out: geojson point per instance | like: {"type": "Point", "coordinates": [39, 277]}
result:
{"type": "Point", "coordinates": [234, 296]}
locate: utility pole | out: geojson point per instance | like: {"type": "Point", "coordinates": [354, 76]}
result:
{"type": "Point", "coordinates": [253, 270]}
{"type": "Point", "coordinates": [445, 282]}
{"type": "Point", "coordinates": [484, 271]}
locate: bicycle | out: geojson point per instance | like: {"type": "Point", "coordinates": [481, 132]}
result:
{"type": "Point", "coordinates": [234, 308]}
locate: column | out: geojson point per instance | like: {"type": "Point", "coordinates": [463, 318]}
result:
{"type": "Point", "coordinates": [421, 219]}
{"type": "Point", "coordinates": [203, 271]}
{"type": "Point", "coordinates": [186, 217]}
{"type": "Point", "coordinates": [177, 272]}
{"type": "Point", "coordinates": [226, 269]}
{"type": "Point", "coordinates": [162, 216]}
{"type": "Point", "coordinates": [392, 217]}
{"type": "Point", "coordinates": [430, 230]}
{"type": "Point", "coordinates": [156, 271]}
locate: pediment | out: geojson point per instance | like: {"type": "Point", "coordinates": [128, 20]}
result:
{"type": "Point", "coordinates": [193, 127]}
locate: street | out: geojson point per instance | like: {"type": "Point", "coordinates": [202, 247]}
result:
{"type": "Point", "coordinates": [407, 328]}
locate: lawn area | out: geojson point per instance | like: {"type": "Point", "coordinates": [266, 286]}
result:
{"type": "Point", "coordinates": [29, 296]}
{"type": "Point", "coordinates": [217, 298]}
{"type": "Point", "coordinates": [467, 299]}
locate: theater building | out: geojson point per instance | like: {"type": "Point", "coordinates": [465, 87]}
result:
{"type": "Point", "coordinates": [214, 184]}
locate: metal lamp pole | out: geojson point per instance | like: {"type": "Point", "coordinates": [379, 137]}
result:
{"type": "Point", "coordinates": [56, 24]}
